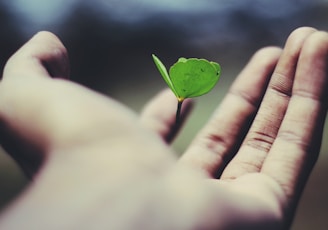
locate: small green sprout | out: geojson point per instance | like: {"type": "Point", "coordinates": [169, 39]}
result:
{"type": "Point", "coordinates": [188, 78]}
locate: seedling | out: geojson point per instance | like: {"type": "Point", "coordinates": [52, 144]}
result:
{"type": "Point", "coordinates": [188, 78]}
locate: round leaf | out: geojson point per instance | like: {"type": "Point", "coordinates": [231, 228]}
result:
{"type": "Point", "coordinates": [193, 77]}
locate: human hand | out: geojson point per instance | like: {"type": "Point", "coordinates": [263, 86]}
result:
{"type": "Point", "coordinates": [96, 165]}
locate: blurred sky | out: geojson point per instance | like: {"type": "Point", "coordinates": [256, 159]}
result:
{"type": "Point", "coordinates": [110, 43]}
{"type": "Point", "coordinates": [128, 31]}
{"type": "Point", "coordinates": [36, 14]}
{"type": "Point", "coordinates": [210, 15]}
{"type": "Point", "coordinates": [48, 11]}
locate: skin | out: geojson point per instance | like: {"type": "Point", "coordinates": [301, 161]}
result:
{"type": "Point", "coordinates": [95, 164]}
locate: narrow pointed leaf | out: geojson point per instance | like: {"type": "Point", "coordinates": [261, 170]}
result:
{"type": "Point", "coordinates": [162, 69]}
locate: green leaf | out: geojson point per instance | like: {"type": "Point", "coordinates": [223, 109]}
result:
{"type": "Point", "coordinates": [162, 69]}
{"type": "Point", "coordinates": [190, 77]}
{"type": "Point", "coordinates": [194, 77]}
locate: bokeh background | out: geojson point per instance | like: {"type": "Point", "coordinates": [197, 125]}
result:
{"type": "Point", "coordinates": [110, 43]}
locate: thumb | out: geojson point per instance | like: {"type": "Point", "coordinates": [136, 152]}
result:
{"type": "Point", "coordinates": [42, 56]}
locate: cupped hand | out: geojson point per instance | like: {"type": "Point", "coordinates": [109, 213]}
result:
{"type": "Point", "coordinates": [97, 165]}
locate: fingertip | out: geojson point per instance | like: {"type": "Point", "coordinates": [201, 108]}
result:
{"type": "Point", "coordinates": [52, 53]}
{"type": "Point", "coordinates": [46, 35]}
{"type": "Point", "coordinates": [159, 114]}
{"type": "Point", "coordinates": [303, 30]}
{"type": "Point", "coordinates": [44, 54]}
{"type": "Point", "coordinates": [296, 38]}
{"type": "Point", "coordinates": [311, 76]}
{"type": "Point", "coordinates": [267, 54]}
{"type": "Point", "coordinates": [316, 43]}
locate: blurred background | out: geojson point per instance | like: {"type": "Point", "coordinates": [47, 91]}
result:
{"type": "Point", "coordinates": [110, 43]}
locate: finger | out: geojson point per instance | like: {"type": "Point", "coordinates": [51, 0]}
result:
{"type": "Point", "coordinates": [266, 124]}
{"type": "Point", "coordinates": [296, 148]}
{"type": "Point", "coordinates": [159, 114]}
{"type": "Point", "coordinates": [221, 137]}
{"type": "Point", "coordinates": [42, 55]}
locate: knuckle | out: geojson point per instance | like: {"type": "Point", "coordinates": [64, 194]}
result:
{"type": "Point", "coordinates": [216, 143]}
{"type": "Point", "coordinates": [260, 140]}
{"type": "Point", "coordinates": [291, 136]}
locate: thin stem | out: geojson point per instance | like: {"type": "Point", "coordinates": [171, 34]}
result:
{"type": "Point", "coordinates": [178, 114]}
